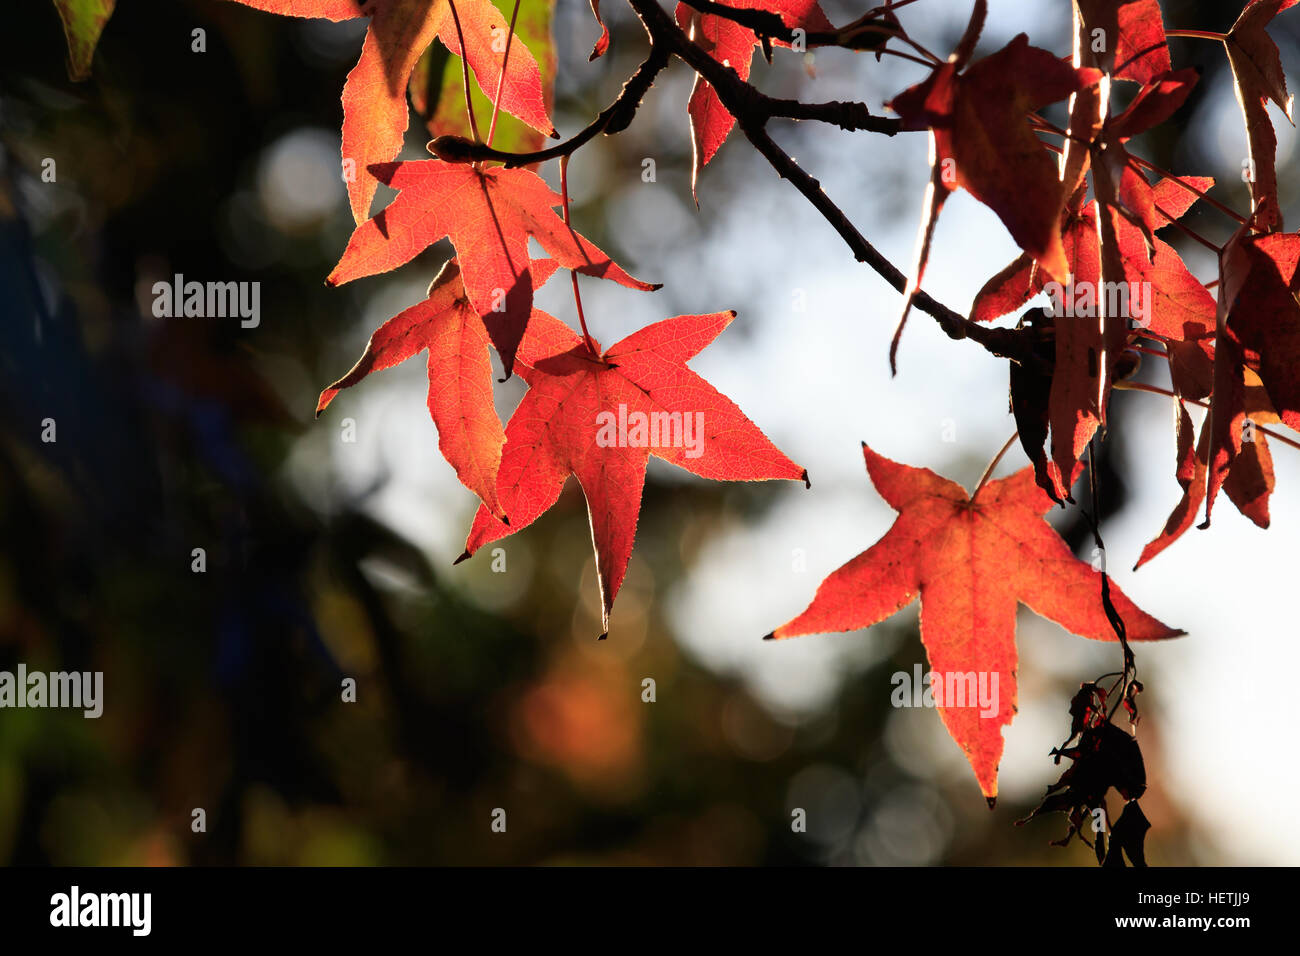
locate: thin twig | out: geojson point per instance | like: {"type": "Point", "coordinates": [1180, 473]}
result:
{"type": "Point", "coordinates": [613, 119]}
{"type": "Point", "coordinates": [746, 105]}
{"type": "Point", "coordinates": [617, 116]}
{"type": "Point", "coordinates": [1157, 390]}
{"type": "Point", "coordinates": [868, 32]}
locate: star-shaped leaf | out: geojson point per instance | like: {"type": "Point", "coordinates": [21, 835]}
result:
{"type": "Point", "coordinates": [971, 560]}
{"type": "Point", "coordinates": [599, 417]}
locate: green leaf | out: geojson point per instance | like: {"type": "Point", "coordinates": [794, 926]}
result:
{"type": "Point", "coordinates": [83, 22]}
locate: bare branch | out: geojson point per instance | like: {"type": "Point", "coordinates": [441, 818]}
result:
{"type": "Point", "coordinates": [751, 112]}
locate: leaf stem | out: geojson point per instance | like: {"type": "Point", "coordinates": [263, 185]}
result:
{"type": "Point", "coordinates": [1197, 35]}
{"type": "Point", "coordinates": [1157, 390]}
{"type": "Point", "coordinates": [994, 463]}
{"type": "Point", "coordinates": [1045, 126]}
{"type": "Point", "coordinates": [1189, 187]}
{"type": "Point", "coordinates": [577, 296]}
{"type": "Point", "coordinates": [501, 80]}
{"type": "Point", "coordinates": [464, 73]}
{"type": "Point", "coordinates": [1189, 231]}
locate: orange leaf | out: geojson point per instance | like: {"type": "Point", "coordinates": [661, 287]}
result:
{"type": "Point", "coordinates": [489, 216]}
{"type": "Point", "coordinates": [451, 330]}
{"type": "Point", "coordinates": [374, 95]}
{"type": "Point", "coordinates": [600, 418]}
{"type": "Point", "coordinates": [971, 559]}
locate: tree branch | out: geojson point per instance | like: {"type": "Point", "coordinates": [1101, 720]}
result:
{"type": "Point", "coordinates": [618, 115]}
{"type": "Point", "coordinates": [844, 114]}
{"type": "Point", "coordinates": [613, 119]}
{"type": "Point", "coordinates": [751, 110]}
{"type": "Point", "coordinates": [764, 23]}
{"type": "Point", "coordinates": [869, 31]}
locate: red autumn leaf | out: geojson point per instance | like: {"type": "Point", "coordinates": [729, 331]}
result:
{"type": "Point", "coordinates": [1258, 77]}
{"type": "Point", "coordinates": [600, 419]}
{"type": "Point", "coordinates": [983, 139]}
{"type": "Point", "coordinates": [1154, 103]}
{"type": "Point", "coordinates": [489, 215]}
{"type": "Point", "coordinates": [732, 45]}
{"type": "Point", "coordinates": [1173, 197]}
{"type": "Point", "coordinates": [1191, 475]}
{"type": "Point", "coordinates": [1179, 309]}
{"type": "Point", "coordinates": [437, 85]}
{"type": "Point", "coordinates": [942, 178]}
{"type": "Point", "coordinates": [1258, 333]}
{"type": "Point", "coordinates": [1124, 188]}
{"type": "Point", "coordinates": [1132, 38]}
{"type": "Point", "coordinates": [374, 95]}
{"type": "Point", "coordinates": [1077, 390]}
{"type": "Point", "coordinates": [1172, 315]}
{"type": "Point", "coordinates": [971, 559]}
{"type": "Point", "coordinates": [1249, 482]}
{"type": "Point", "coordinates": [602, 44]}
{"type": "Point", "coordinates": [460, 403]}
{"type": "Point", "coordinates": [1076, 407]}
{"type": "Point", "coordinates": [1266, 318]}
{"type": "Point", "coordinates": [1126, 40]}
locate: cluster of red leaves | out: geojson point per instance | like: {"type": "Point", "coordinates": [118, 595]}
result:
{"type": "Point", "coordinates": [970, 558]}
{"type": "Point", "coordinates": [483, 298]}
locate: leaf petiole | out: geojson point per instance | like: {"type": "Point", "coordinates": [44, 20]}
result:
{"type": "Point", "coordinates": [501, 80]}
{"type": "Point", "coordinates": [577, 296]}
{"type": "Point", "coordinates": [464, 72]}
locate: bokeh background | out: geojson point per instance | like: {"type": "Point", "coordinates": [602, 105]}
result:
{"type": "Point", "coordinates": [478, 690]}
